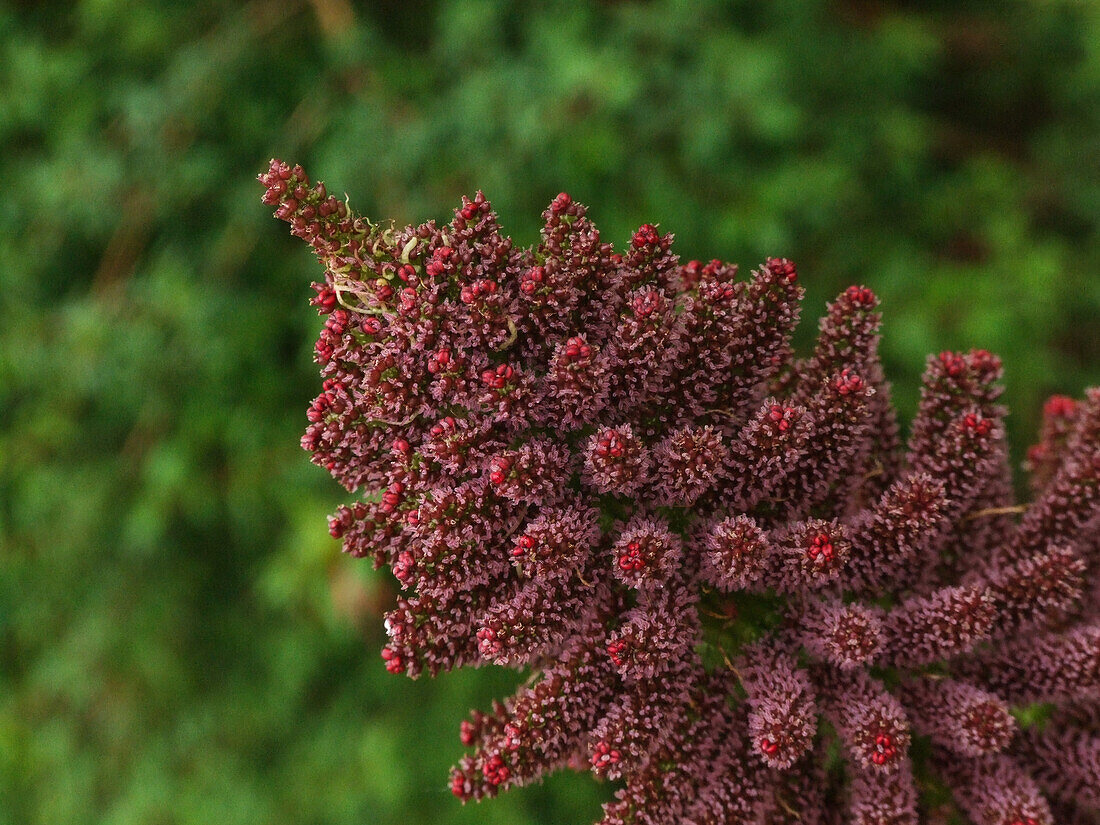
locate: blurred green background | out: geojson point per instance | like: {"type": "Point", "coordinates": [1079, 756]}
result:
{"type": "Point", "coordinates": [180, 639]}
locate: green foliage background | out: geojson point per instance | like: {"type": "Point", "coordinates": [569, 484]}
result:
{"type": "Point", "coordinates": [180, 640]}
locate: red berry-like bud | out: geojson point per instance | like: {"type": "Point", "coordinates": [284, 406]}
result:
{"type": "Point", "coordinates": [560, 203]}
{"type": "Point", "coordinates": [985, 364]}
{"type": "Point", "coordinates": [325, 300]}
{"type": "Point", "coordinates": [497, 379]}
{"type": "Point", "coordinates": [512, 734]}
{"type": "Point", "coordinates": [499, 469]}
{"type": "Point", "coordinates": [604, 756]}
{"type": "Point", "coordinates": [631, 558]}
{"type": "Point", "coordinates": [408, 299]}
{"type": "Point", "coordinates": [645, 303]}
{"type": "Point", "coordinates": [394, 662]}
{"type": "Point", "coordinates": [782, 269]}
{"type": "Point", "coordinates": [524, 545]}
{"type": "Point", "coordinates": [576, 349]}
{"type": "Point", "coordinates": [821, 548]}
{"type": "Point", "coordinates": [861, 296]}
{"type": "Point", "coordinates": [392, 497]}
{"type": "Point", "coordinates": [532, 279]}
{"type": "Point", "coordinates": [780, 416]}
{"type": "Point", "coordinates": [974, 424]}
{"type": "Point", "coordinates": [403, 567]}
{"type": "Point", "coordinates": [953, 363]}
{"type": "Point", "coordinates": [885, 751]}
{"type": "Point", "coordinates": [610, 445]}
{"type": "Point", "coordinates": [645, 236]}
{"type": "Point", "coordinates": [495, 770]}
{"type": "Point", "coordinates": [467, 732]}
{"type": "Point", "coordinates": [769, 747]}
{"type": "Point", "coordinates": [488, 645]}
{"type": "Point", "coordinates": [617, 651]}
{"type": "Point", "coordinates": [1060, 406]}
{"type": "Point", "coordinates": [848, 382]}
{"type": "Point", "coordinates": [320, 407]}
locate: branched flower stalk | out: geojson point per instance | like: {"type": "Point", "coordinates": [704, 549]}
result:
{"type": "Point", "coordinates": [740, 596]}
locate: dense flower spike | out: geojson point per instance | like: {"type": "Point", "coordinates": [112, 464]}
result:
{"type": "Point", "coordinates": [1044, 458]}
{"type": "Point", "coordinates": [734, 590]}
{"type": "Point", "coordinates": [994, 790]}
{"type": "Point", "coordinates": [890, 538]}
{"type": "Point", "coordinates": [734, 554]}
{"type": "Point", "coordinates": [782, 712]}
{"type": "Point", "coordinates": [958, 716]}
{"type": "Point", "coordinates": [884, 798]}
{"type": "Point", "coordinates": [845, 635]}
{"type": "Point", "coordinates": [1071, 500]}
{"type": "Point", "coordinates": [769, 448]}
{"type": "Point", "coordinates": [1038, 591]}
{"type": "Point", "coordinates": [686, 464]}
{"type": "Point", "coordinates": [807, 556]}
{"type": "Point", "coordinates": [1047, 668]}
{"type": "Point", "coordinates": [615, 461]}
{"type": "Point", "coordinates": [646, 553]}
{"type": "Point", "coordinates": [1065, 762]}
{"type": "Point", "coordinates": [922, 630]}
{"type": "Point", "coordinates": [870, 720]}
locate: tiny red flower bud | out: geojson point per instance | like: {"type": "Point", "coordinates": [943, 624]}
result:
{"type": "Point", "coordinates": [848, 382]}
{"type": "Point", "coordinates": [645, 304]}
{"type": "Point", "coordinates": [495, 770]}
{"type": "Point", "coordinates": [403, 567]}
{"type": "Point", "coordinates": [861, 296]}
{"type": "Point", "coordinates": [488, 644]}
{"type": "Point", "coordinates": [523, 546]}
{"type": "Point", "coordinates": [604, 756]}
{"type": "Point", "coordinates": [783, 269]}
{"type": "Point", "coordinates": [632, 558]}
{"type": "Point", "coordinates": [617, 651]}
{"type": "Point", "coordinates": [1060, 406]}
{"type": "Point", "coordinates": [953, 363]}
{"type": "Point", "coordinates": [459, 786]}
{"type": "Point", "coordinates": [394, 662]}
{"type": "Point", "coordinates": [645, 236]}
{"type": "Point", "coordinates": [560, 203]}
{"type": "Point", "coordinates": [974, 424]}
{"type": "Point", "coordinates": [532, 279]}
{"type": "Point", "coordinates": [821, 547]}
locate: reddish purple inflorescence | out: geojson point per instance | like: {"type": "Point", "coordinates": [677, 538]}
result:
{"type": "Point", "coordinates": [740, 596]}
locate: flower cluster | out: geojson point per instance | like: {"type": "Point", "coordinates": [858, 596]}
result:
{"type": "Point", "coordinates": [740, 595]}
